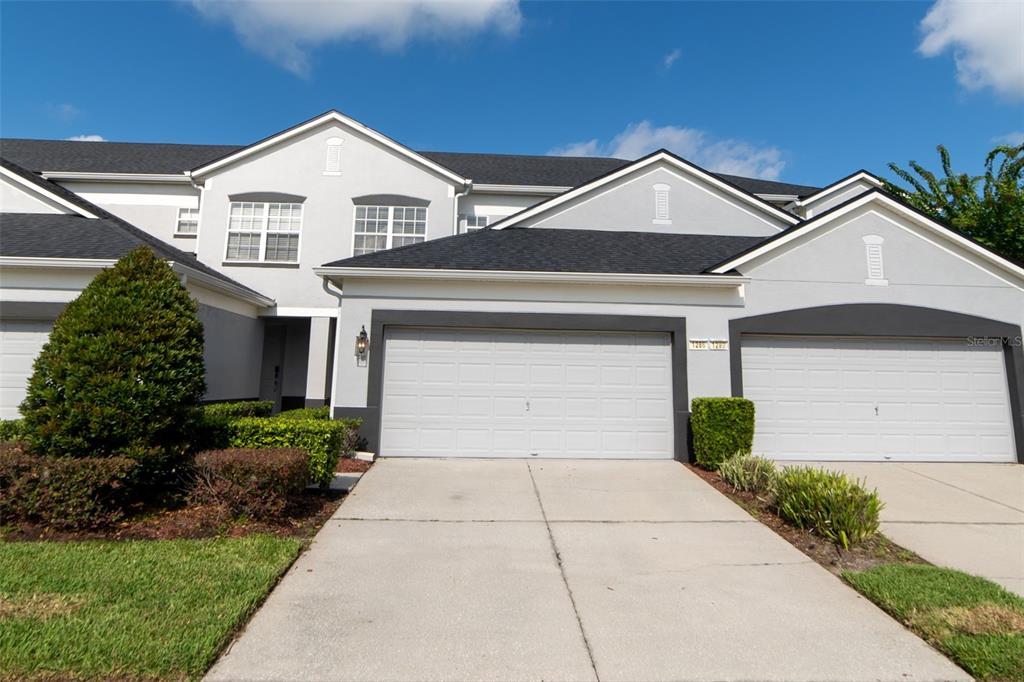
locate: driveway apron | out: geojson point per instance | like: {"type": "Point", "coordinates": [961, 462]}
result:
{"type": "Point", "coordinates": [562, 570]}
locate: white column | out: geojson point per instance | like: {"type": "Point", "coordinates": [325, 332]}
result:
{"type": "Point", "coordinates": [317, 365]}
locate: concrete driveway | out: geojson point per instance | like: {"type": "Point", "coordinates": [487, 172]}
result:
{"type": "Point", "coordinates": [966, 516]}
{"type": "Point", "coordinates": [562, 570]}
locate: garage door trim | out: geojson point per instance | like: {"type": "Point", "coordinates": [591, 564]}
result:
{"type": "Point", "coordinates": [383, 319]}
{"type": "Point", "coordinates": [888, 320]}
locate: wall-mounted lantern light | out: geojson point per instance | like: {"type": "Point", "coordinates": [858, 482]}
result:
{"type": "Point", "coordinates": [362, 344]}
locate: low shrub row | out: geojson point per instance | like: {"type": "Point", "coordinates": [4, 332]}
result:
{"type": "Point", "coordinates": [827, 503]}
{"type": "Point", "coordinates": [323, 412]}
{"type": "Point", "coordinates": [326, 440]}
{"type": "Point", "coordinates": [11, 430]}
{"type": "Point", "coordinates": [253, 483]}
{"type": "Point", "coordinates": [238, 408]}
{"type": "Point", "coordinates": [63, 492]}
{"type": "Point", "coordinates": [749, 474]}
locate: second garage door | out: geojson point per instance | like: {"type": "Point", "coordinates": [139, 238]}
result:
{"type": "Point", "coordinates": [483, 393]}
{"type": "Point", "coordinates": [878, 399]}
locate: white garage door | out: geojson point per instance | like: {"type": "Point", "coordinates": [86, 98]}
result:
{"type": "Point", "coordinates": [482, 393]}
{"type": "Point", "coordinates": [20, 343]}
{"type": "Point", "coordinates": [878, 399]}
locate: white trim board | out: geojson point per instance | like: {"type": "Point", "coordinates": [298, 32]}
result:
{"type": "Point", "coordinates": [176, 178]}
{"type": "Point", "coordinates": [876, 197]}
{"type": "Point", "coordinates": [43, 191]}
{"type": "Point", "coordinates": [838, 186]}
{"type": "Point", "coordinates": [730, 281]}
{"type": "Point", "coordinates": [661, 156]}
{"type": "Point", "coordinates": [330, 116]}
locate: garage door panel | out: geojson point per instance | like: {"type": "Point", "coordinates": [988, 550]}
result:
{"type": "Point", "coordinates": [20, 341]}
{"type": "Point", "coordinates": [906, 399]}
{"type": "Point", "coordinates": [529, 393]}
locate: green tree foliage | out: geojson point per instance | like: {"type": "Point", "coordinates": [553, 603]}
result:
{"type": "Point", "coordinates": [988, 208]}
{"type": "Point", "coordinates": [122, 373]}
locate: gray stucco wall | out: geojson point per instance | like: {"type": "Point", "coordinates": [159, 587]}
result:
{"type": "Point", "coordinates": [297, 167]}
{"type": "Point", "coordinates": [233, 353]}
{"type": "Point", "coordinates": [695, 207]}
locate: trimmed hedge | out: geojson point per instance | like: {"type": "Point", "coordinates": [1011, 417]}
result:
{"type": "Point", "coordinates": [827, 503]}
{"type": "Point", "coordinates": [325, 440]}
{"type": "Point", "coordinates": [238, 408]}
{"type": "Point", "coordinates": [63, 492]}
{"type": "Point", "coordinates": [11, 430]}
{"type": "Point", "coordinates": [307, 413]}
{"type": "Point", "coordinates": [253, 483]}
{"type": "Point", "coordinates": [721, 428]}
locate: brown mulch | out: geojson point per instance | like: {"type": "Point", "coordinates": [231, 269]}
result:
{"type": "Point", "coordinates": [302, 519]}
{"type": "Point", "coordinates": [877, 551]}
{"type": "Point", "coordinates": [350, 465]}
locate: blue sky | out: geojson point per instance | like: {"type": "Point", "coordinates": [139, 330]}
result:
{"type": "Point", "coordinates": [804, 92]}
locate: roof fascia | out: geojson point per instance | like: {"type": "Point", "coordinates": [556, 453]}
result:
{"type": "Point", "coordinates": [530, 276]}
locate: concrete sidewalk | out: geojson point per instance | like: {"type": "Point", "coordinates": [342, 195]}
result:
{"type": "Point", "coordinates": [965, 516]}
{"type": "Point", "coordinates": [562, 570]}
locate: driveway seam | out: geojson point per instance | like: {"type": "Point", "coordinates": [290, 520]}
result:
{"type": "Point", "coordinates": [561, 571]}
{"type": "Point", "coordinates": [963, 490]}
{"type": "Point", "coordinates": [576, 521]}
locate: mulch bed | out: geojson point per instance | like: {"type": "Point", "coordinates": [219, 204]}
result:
{"type": "Point", "coordinates": [877, 551]}
{"type": "Point", "coordinates": [303, 518]}
{"type": "Point", "coordinates": [351, 465]}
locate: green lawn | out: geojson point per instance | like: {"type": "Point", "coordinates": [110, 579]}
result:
{"type": "Point", "coordinates": [144, 609]}
{"type": "Point", "coordinates": [975, 622]}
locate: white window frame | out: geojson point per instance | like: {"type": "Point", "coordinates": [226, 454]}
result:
{"type": "Point", "coordinates": [662, 205]}
{"type": "Point", "coordinates": [264, 230]}
{"type": "Point", "coordinates": [467, 217]}
{"type": "Point", "coordinates": [389, 233]}
{"type": "Point", "coordinates": [875, 260]}
{"type": "Point", "coordinates": [178, 232]}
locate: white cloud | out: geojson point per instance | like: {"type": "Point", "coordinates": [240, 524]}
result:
{"type": "Point", "coordinates": [721, 155]}
{"type": "Point", "coordinates": [64, 112]}
{"type": "Point", "coordinates": [1013, 139]}
{"type": "Point", "coordinates": [670, 59]}
{"type": "Point", "coordinates": [286, 31]}
{"type": "Point", "coordinates": [86, 138]}
{"type": "Point", "coordinates": [985, 37]}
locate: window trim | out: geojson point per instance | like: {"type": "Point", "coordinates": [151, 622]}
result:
{"type": "Point", "coordinates": [177, 223]}
{"type": "Point", "coordinates": [466, 227]}
{"type": "Point", "coordinates": [263, 237]}
{"type": "Point", "coordinates": [389, 234]}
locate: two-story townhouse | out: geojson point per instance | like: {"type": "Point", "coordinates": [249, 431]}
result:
{"type": "Point", "coordinates": [501, 305]}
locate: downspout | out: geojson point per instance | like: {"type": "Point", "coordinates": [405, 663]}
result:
{"type": "Point", "coordinates": [455, 216]}
{"type": "Point", "coordinates": [337, 340]}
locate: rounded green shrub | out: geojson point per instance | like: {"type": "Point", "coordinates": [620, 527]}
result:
{"type": "Point", "coordinates": [122, 373]}
{"type": "Point", "coordinates": [827, 503]}
{"type": "Point", "coordinates": [323, 412]}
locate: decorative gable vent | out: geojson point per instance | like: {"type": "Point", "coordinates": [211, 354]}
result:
{"type": "Point", "coordinates": [332, 166]}
{"type": "Point", "coordinates": [661, 208]}
{"type": "Point", "coordinates": [876, 266]}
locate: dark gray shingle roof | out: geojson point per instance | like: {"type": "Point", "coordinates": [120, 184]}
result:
{"type": "Point", "coordinates": [497, 169]}
{"type": "Point", "coordinates": [54, 235]}
{"type": "Point", "coordinates": [556, 250]}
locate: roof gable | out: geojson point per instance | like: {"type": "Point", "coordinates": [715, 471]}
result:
{"type": "Point", "coordinates": [32, 184]}
{"type": "Point", "coordinates": [328, 117]}
{"type": "Point", "coordinates": [882, 199]}
{"type": "Point", "coordinates": [740, 197]}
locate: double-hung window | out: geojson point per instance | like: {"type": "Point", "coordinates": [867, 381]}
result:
{"type": "Point", "coordinates": [264, 232]}
{"type": "Point", "coordinates": [384, 227]}
{"type": "Point", "coordinates": [188, 221]}
{"type": "Point", "coordinates": [474, 222]}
